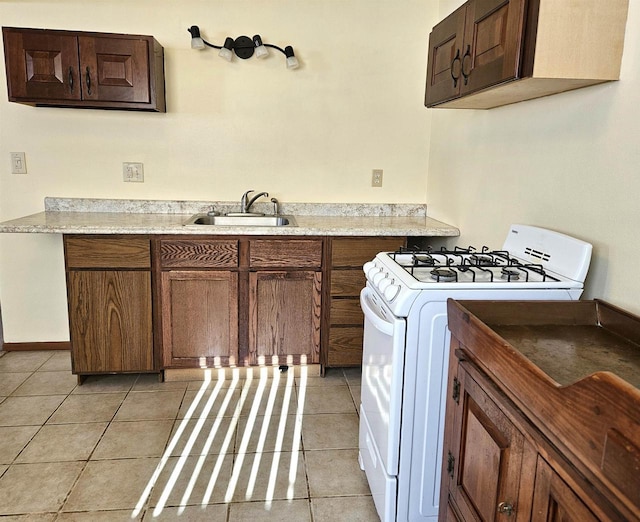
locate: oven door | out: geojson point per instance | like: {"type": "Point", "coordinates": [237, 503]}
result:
{"type": "Point", "coordinates": [382, 377]}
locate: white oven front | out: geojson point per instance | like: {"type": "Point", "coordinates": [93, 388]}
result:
{"type": "Point", "coordinates": [381, 400]}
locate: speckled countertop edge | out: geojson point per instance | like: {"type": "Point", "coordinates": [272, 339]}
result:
{"type": "Point", "coordinates": [83, 216]}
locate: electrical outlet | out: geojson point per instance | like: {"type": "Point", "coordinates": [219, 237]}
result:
{"type": "Point", "coordinates": [133, 172]}
{"type": "Point", "coordinates": [18, 163]}
{"type": "Point", "coordinates": [376, 178]}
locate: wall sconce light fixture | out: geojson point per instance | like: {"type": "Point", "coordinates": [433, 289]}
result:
{"type": "Point", "coordinates": [243, 47]}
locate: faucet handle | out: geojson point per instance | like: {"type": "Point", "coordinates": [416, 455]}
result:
{"type": "Point", "coordinates": [276, 206]}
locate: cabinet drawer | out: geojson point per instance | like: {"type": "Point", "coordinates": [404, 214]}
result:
{"type": "Point", "coordinates": [107, 252]}
{"type": "Point", "coordinates": [346, 311]}
{"type": "Point", "coordinates": [355, 252]}
{"type": "Point", "coordinates": [347, 283]}
{"type": "Point", "coordinates": [205, 253]}
{"type": "Point", "coordinates": [271, 253]}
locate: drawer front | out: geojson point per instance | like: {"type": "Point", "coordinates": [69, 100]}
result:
{"type": "Point", "coordinates": [347, 312]}
{"type": "Point", "coordinates": [355, 252]}
{"type": "Point", "coordinates": [347, 283]}
{"type": "Point", "coordinates": [107, 252]}
{"type": "Point", "coordinates": [205, 253]}
{"type": "Point", "coordinates": [272, 253]}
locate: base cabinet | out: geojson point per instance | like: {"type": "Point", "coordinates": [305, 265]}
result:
{"type": "Point", "coordinates": [110, 306]}
{"type": "Point", "coordinates": [346, 321]}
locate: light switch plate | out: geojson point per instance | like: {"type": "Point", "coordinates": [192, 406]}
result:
{"type": "Point", "coordinates": [133, 172]}
{"type": "Point", "coordinates": [18, 163]}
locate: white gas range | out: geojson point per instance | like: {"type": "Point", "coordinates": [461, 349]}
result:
{"type": "Point", "coordinates": [406, 347]}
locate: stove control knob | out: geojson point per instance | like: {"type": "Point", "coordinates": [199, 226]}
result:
{"type": "Point", "coordinates": [373, 271]}
{"type": "Point", "coordinates": [384, 283]}
{"type": "Point", "coordinates": [368, 266]}
{"type": "Point", "coordinates": [391, 292]}
{"type": "Point", "coordinates": [378, 276]}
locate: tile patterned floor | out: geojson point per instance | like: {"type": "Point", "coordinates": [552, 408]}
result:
{"type": "Point", "coordinates": [267, 446]}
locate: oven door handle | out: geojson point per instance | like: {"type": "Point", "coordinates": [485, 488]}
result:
{"type": "Point", "coordinates": [374, 316]}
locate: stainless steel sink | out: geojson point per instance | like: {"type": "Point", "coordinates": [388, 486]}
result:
{"type": "Point", "coordinates": [241, 220]}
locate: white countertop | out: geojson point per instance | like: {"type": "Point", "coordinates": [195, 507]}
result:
{"type": "Point", "coordinates": [131, 217]}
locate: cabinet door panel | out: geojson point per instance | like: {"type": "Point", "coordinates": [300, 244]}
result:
{"type": "Point", "coordinates": [42, 65]}
{"type": "Point", "coordinates": [200, 318]}
{"type": "Point", "coordinates": [444, 67]}
{"type": "Point", "coordinates": [355, 252]}
{"type": "Point", "coordinates": [347, 283]}
{"type": "Point", "coordinates": [110, 321]}
{"type": "Point", "coordinates": [284, 316]}
{"type": "Point", "coordinates": [554, 501]}
{"type": "Point", "coordinates": [345, 346]}
{"type": "Point", "coordinates": [114, 69]}
{"type": "Point", "coordinates": [492, 43]}
{"type": "Point", "coordinates": [489, 457]}
{"type": "Point", "coordinates": [346, 312]}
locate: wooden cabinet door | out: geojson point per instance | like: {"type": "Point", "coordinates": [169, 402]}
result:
{"type": "Point", "coordinates": [553, 499]}
{"type": "Point", "coordinates": [114, 69]}
{"type": "Point", "coordinates": [487, 455]}
{"type": "Point", "coordinates": [444, 64]}
{"type": "Point", "coordinates": [493, 37]}
{"type": "Point", "coordinates": [284, 317]}
{"type": "Point", "coordinates": [41, 65]}
{"type": "Point", "coordinates": [110, 321]}
{"type": "Point", "coordinates": [199, 318]}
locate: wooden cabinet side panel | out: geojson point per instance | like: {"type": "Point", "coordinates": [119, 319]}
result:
{"type": "Point", "coordinates": [284, 316]}
{"type": "Point", "coordinates": [200, 316]}
{"type": "Point", "coordinates": [110, 321]}
{"type": "Point", "coordinates": [107, 252]}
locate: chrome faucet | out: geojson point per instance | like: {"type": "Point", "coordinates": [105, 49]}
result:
{"type": "Point", "coordinates": [246, 205]}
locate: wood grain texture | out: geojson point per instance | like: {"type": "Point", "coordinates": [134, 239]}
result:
{"type": "Point", "coordinates": [110, 321]}
{"type": "Point", "coordinates": [347, 283]}
{"type": "Point", "coordinates": [200, 317]}
{"type": "Point", "coordinates": [345, 346]}
{"type": "Point", "coordinates": [594, 422]}
{"type": "Point", "coordinates": [201, 253]}
{"type": "Point", "coordinates": [107, 252]}
{"type": "Point", "coordinates": [346, 312]}
{"type": "Point", "coordinates": [284, 315]}
{"type": "Point", "coordinates": [285, 253]}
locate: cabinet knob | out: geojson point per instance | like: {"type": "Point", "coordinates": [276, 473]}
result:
{"type": "Point", "coordinates": [506, 508]}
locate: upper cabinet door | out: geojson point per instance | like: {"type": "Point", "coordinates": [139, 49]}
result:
{"type": "Point", "coordinates": [444, 70]}
{"type": "Point", "coordinates": [114, 69]}
{"type": "Point", "coordinates": [41, 65]}
{"type": "Point", "coordinates": [493, 37]}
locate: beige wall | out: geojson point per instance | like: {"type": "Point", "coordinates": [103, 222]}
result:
{"type": "Point", "coordinates": [570, 162]}
{"type": "Point", "coordinates": [311, 135]}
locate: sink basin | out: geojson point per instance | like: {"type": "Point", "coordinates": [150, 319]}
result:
{"type": "Point", "coordinates": [241, 220]}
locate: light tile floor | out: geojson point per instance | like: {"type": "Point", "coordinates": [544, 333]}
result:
{"type": "Point", "coordinates": [270, 446]}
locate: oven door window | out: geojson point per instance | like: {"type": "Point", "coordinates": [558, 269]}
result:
{"type": "Point", "coordinates": [382, 376]}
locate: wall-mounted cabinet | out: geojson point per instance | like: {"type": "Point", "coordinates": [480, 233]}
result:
{"type": "Point", "coordinates": [89, 70]}
{"type": "Point", "coordinates": [490, 53]}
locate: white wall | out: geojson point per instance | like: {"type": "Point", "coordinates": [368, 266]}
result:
{"type": "Point", "coordinates": [311, 135]}
{"type": "Point", "coordinates": [569, 162]}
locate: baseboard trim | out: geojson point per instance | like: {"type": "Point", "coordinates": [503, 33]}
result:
{"type": "Point", "coordinates": [31, 347]}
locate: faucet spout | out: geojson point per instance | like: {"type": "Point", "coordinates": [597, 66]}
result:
{"type": "Point", "coordinates": [246, 205]}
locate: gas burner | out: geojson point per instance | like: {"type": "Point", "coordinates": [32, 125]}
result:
{"type": "Point", "coordinates": [510, 274]}
{"type": "Point", "coordinates": [481, 259]}
{"type": "Point", "coordinates": [423, 260]}
{"type": "Point", "coordinates": [443, 275]}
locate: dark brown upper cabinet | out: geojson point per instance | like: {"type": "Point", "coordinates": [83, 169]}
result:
{"type": "Point", "coordinates": [490, 53]}
{"type": "Point", "coordinates": [90, 70]}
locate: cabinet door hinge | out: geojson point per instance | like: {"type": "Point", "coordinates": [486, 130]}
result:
{"type": "Point", "coordinates": [456, 390]}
